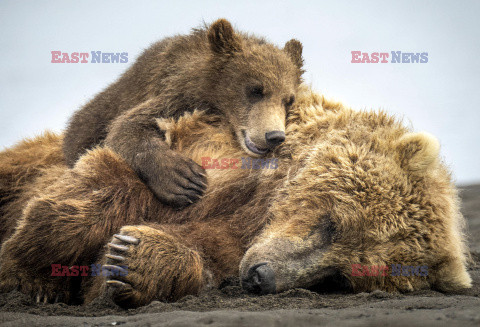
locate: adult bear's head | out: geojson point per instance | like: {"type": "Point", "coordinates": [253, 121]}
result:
{"type": "Point", "coordinates": [368, 194]}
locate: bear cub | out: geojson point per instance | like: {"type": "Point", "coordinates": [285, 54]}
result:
{"type": "Point", "coordinates": [248, 81]}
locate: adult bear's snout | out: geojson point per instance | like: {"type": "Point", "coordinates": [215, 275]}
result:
{"type": "Point", "coordinates": [260, 279]}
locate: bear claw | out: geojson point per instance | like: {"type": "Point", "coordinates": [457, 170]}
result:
{"type": "Point", "coordinates": [115, 269]}
{"type": "Point", "coordinates": [116, 266]}
{"type": "Point", "coordinates": [115, 257]}
{"type": "Point", "coordinates": [121, 289]}
{"type": "Point", "coordinates": [116, 283]}
{"type": "Point", "coordinates": [127, 239]}
{"type": "Point", "coordinates": [118, 247]}
{"type": "Point", "coordinates": [41, 299]}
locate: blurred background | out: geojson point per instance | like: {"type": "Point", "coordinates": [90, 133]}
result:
{"type": "Point", "coordinates": [440, 96]}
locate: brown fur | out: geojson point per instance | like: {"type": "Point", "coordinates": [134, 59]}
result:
{"type": "Point", "coordinates": [19, 167]}
{"type": "Point", "coordinates": [250, 83]}
{"type": "Point", "coordinates": [351, 188]}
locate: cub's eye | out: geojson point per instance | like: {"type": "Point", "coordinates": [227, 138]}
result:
{"type": "Point", "coordinates": [290, 101]}
{"type": "Point", "coordinates": [255, 93]}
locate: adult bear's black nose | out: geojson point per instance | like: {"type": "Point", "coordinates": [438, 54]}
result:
{"type": "Point", "coordinates": [274, 138]}
{"type": "Point", "coordinates": [260, 279]}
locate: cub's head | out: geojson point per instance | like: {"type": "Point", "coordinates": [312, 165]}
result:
{"type": "Point", "coordinates": [367, 195]}
{"type": "Point", "coordinates": [253, 84]}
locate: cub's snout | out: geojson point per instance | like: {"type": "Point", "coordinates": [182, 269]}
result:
{"type": "Point", "coordinates": [265, 131]}
{"type": "Point", "coordinates": [274, 138]}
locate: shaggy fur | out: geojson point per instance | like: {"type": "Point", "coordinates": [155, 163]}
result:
{"type": "Point", "coordinates": [248, 82]}
{"type": "Point", "coordinates": [351, 188]}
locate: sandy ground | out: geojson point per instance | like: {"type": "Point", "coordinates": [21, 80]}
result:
{"type": "Point", "coordinates": [230, 306]}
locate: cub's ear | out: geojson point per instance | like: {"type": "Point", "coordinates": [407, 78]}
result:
{"type": "Point", "coordinates": [417, 152]}
{"type": "Point", "coordinates": [222, 38]}
{"type": "Point", "coordinates": [294, 49]}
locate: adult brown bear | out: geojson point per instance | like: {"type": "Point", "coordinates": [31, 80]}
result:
{"type": "Point", "coordinates": [351, 188]}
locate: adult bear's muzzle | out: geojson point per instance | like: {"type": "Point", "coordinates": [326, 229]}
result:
{"type": "Point", "coordinates": [260, 279]}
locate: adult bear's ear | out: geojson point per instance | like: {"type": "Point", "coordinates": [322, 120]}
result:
{"type": "Point", "coordinates": [417, 152]}
{"type": "Point", "coordinates": [222, 38]}
{"type": "Point", "coordinates": [294, 49]}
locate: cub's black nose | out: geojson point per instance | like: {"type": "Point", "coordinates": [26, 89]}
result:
{"type": "Point", "coordinates": [274, 138]}
{"type": "Point", "coordinates": [260, 279]}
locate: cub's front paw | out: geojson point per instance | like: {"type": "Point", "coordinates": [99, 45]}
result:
{"type": "Point", "coordinates": [176, 180]}
{"type": "Point", "coordinates": [147, 264]}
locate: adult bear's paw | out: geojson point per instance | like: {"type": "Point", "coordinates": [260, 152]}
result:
{"type": "Point", "coordinates": [36, 282]}
{"type": "Point", "coordinates": [40, 290]}
{"type": "Point", "coordinates": [116, 265]}
{"type": "Point", "coordinates": [148, 264]}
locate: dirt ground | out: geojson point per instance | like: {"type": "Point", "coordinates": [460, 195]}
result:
{"type": "Point", "coordinates": [230, 306]}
